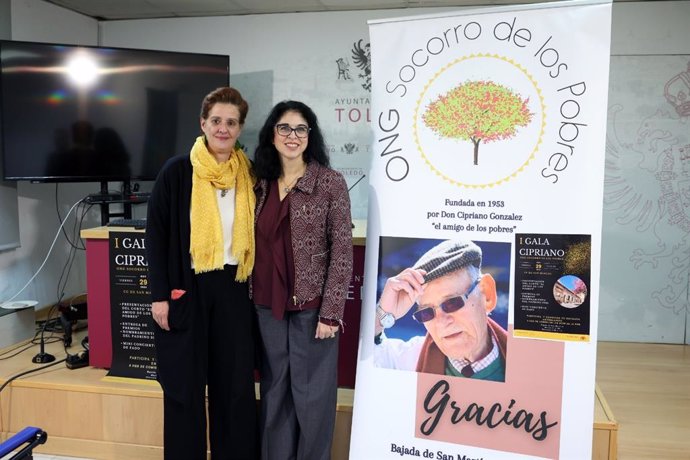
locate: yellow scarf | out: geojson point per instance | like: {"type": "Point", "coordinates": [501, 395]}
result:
{"type": "Point", "coordinates": [206, 246]}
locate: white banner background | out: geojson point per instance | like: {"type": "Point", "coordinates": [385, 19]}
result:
{"type": "Point", "coordinates": [546, 178]}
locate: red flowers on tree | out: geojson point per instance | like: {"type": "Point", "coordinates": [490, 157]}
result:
{"type": "Point", "coordinates": [478, 111]}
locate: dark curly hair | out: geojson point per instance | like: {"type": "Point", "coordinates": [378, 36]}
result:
{"type": "Point", "coordinates": [266, 158]}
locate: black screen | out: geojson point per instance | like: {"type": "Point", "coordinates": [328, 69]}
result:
{"type": "Point", "coordinates": [141, 108]}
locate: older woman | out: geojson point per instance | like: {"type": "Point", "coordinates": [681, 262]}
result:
{"type": "Point", "coordinates": [300, 280]}
{"type": "Point", "coordinates": [200, 249]}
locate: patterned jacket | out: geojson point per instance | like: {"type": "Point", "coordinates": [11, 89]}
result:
{"type": "Point", "coordinates": [321, 227]}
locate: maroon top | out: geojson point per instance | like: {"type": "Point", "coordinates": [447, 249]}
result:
{"type": "Point", "coordinates": [321, 228]}
{"type": "Point", "coordinates": [274, 266]}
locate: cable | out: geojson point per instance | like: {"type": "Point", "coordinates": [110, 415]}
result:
{"type": "Point", "coordinates": [42, 357]}
{"type": "Point", "coordinates": [3, 357]}
{"type": "Point", "coordinates": [50, 339]}
{"type": "Point", "coordinates": [84, 213]}
{"type": "Point", "coordinates": [21, 374]}
{"type": "Point", "coordinates": [50, 250]}
{"type": "Point", "coordinates": [57, 209]}
{"type": "Point", "coordinates": [76, 227]}
{"type": "Point", "coordinates": [50, 325]}
{"type": "Point", "coordinates": [84, 344]}
{"type": "Point", "coordinates": [67, 268]}
{"type": "Point", "coordinates": [64, 274]}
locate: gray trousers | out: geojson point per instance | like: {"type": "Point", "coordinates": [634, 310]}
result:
{"type": "Point", "coordinates": [298, 387]}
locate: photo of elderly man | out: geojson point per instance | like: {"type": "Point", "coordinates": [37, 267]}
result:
{"type": "Point", "coordinates": [450, 297]}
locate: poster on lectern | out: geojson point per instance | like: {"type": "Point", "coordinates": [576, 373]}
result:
{"type": "Point", "coordinates": [134, 354]}
{"type": "Point", "coordinates": [479, 311]}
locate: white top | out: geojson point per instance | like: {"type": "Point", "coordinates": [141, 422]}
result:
{"type": "Point", "coordinates": [226, 206]}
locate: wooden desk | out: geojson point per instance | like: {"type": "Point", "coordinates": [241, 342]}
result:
{"type": "Point", "coordinates": [605, 439]}
{"type": "Point", "coordinates": [98, 293]}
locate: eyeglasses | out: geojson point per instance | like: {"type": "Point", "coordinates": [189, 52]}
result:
{"type": "Point", "coordinates": [300, 131]}
{"type": "Point", "coordinates": [424, 314]}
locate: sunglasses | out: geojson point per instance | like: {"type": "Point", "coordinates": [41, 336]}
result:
{"type": "Point", "coordinates": [424, 314]}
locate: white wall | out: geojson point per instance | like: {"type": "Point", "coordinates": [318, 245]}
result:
{"type": "Point", "coordinates": [35, 20]}
{"type": "Point", "coordinates": [283, 56]}
{"type": "Point", "coordinates": [39, 21]}
{"type": "Point", "coordinates": [5, 19]}
{"type": "Point", "coordinates": [281, 44]}
{"type": "Point", "coordinates": [645, 273]}
{"type": "Point", "coordinates": [652, 27]}
{"type": "Point", "coordinates": [294, 46]}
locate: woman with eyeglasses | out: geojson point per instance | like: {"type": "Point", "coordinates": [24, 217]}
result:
{"type": "Point", "coordinates": [299, 284]}
{"type": "Point", "coordinates": [200, 249]}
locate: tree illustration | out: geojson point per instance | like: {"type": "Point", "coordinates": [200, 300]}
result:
{"type": "Point", "coordinates": [478, 111]}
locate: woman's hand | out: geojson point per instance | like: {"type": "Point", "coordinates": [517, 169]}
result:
{"type": "Point", "coordinates": [324, 331]}
{"type": "Point", "coordinates": [159, 312]}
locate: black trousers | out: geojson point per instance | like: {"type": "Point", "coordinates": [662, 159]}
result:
{"type": "Point", "coordinates": [212, 343]}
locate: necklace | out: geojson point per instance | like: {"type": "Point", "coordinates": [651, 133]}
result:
{"type": "Point", "coordinates": [286, 187]}
{"type": "Point", "coordinates": [223, 192]}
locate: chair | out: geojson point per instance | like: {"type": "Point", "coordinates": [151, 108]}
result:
{"type": "Point", "coordinates": [31, 436]}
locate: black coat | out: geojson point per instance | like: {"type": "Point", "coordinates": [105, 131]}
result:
{"type": "Point", "coordinates": [167, 249]}
{"type": "Point", "coordinates": [168, 229]}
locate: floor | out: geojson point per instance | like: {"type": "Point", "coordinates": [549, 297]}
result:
{"type": "Point", "coordinates": [54, 457]}
{"type": "Point", "coordinates": [646, 386]}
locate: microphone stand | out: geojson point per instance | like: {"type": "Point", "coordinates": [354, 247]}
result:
{"type": "Point", "coordinates": [353, 186]}
{"type": "Point", "coordinates": [43, 357]}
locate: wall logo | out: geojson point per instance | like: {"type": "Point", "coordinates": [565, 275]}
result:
{"type": "Point", "coordinates": [343, 69]}
{"type": "Point", "coordinates": [648, 187]}
{"type": "Point", "coordinates": [479, 120]}
{"type": "Point", "coordinates": [349, 148]}
{"type": "Point", "coordinates": [677, 92]}
{"type": "Point", "coordinates": [361, 56]}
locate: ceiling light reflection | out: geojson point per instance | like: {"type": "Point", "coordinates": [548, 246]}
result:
{"type": "Point", "coordinates": [82, 69]}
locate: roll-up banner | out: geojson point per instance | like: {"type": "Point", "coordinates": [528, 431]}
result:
{"type": "Point", "coordinates": [481, 290]}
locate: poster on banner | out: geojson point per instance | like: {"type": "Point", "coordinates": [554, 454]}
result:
{"type": "Point", "coordinates": [551, 279]}
{"type": "Point", "coordinates": [134, 354]}
{"type": "Point", "coordinates": [480, 303]}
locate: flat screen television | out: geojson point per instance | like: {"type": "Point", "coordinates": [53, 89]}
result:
{"type": "Point", "coordinates": [82, 113]}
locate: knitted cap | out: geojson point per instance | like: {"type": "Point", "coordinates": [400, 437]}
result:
{"type": "Point", "coordinates": [448, 257]}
